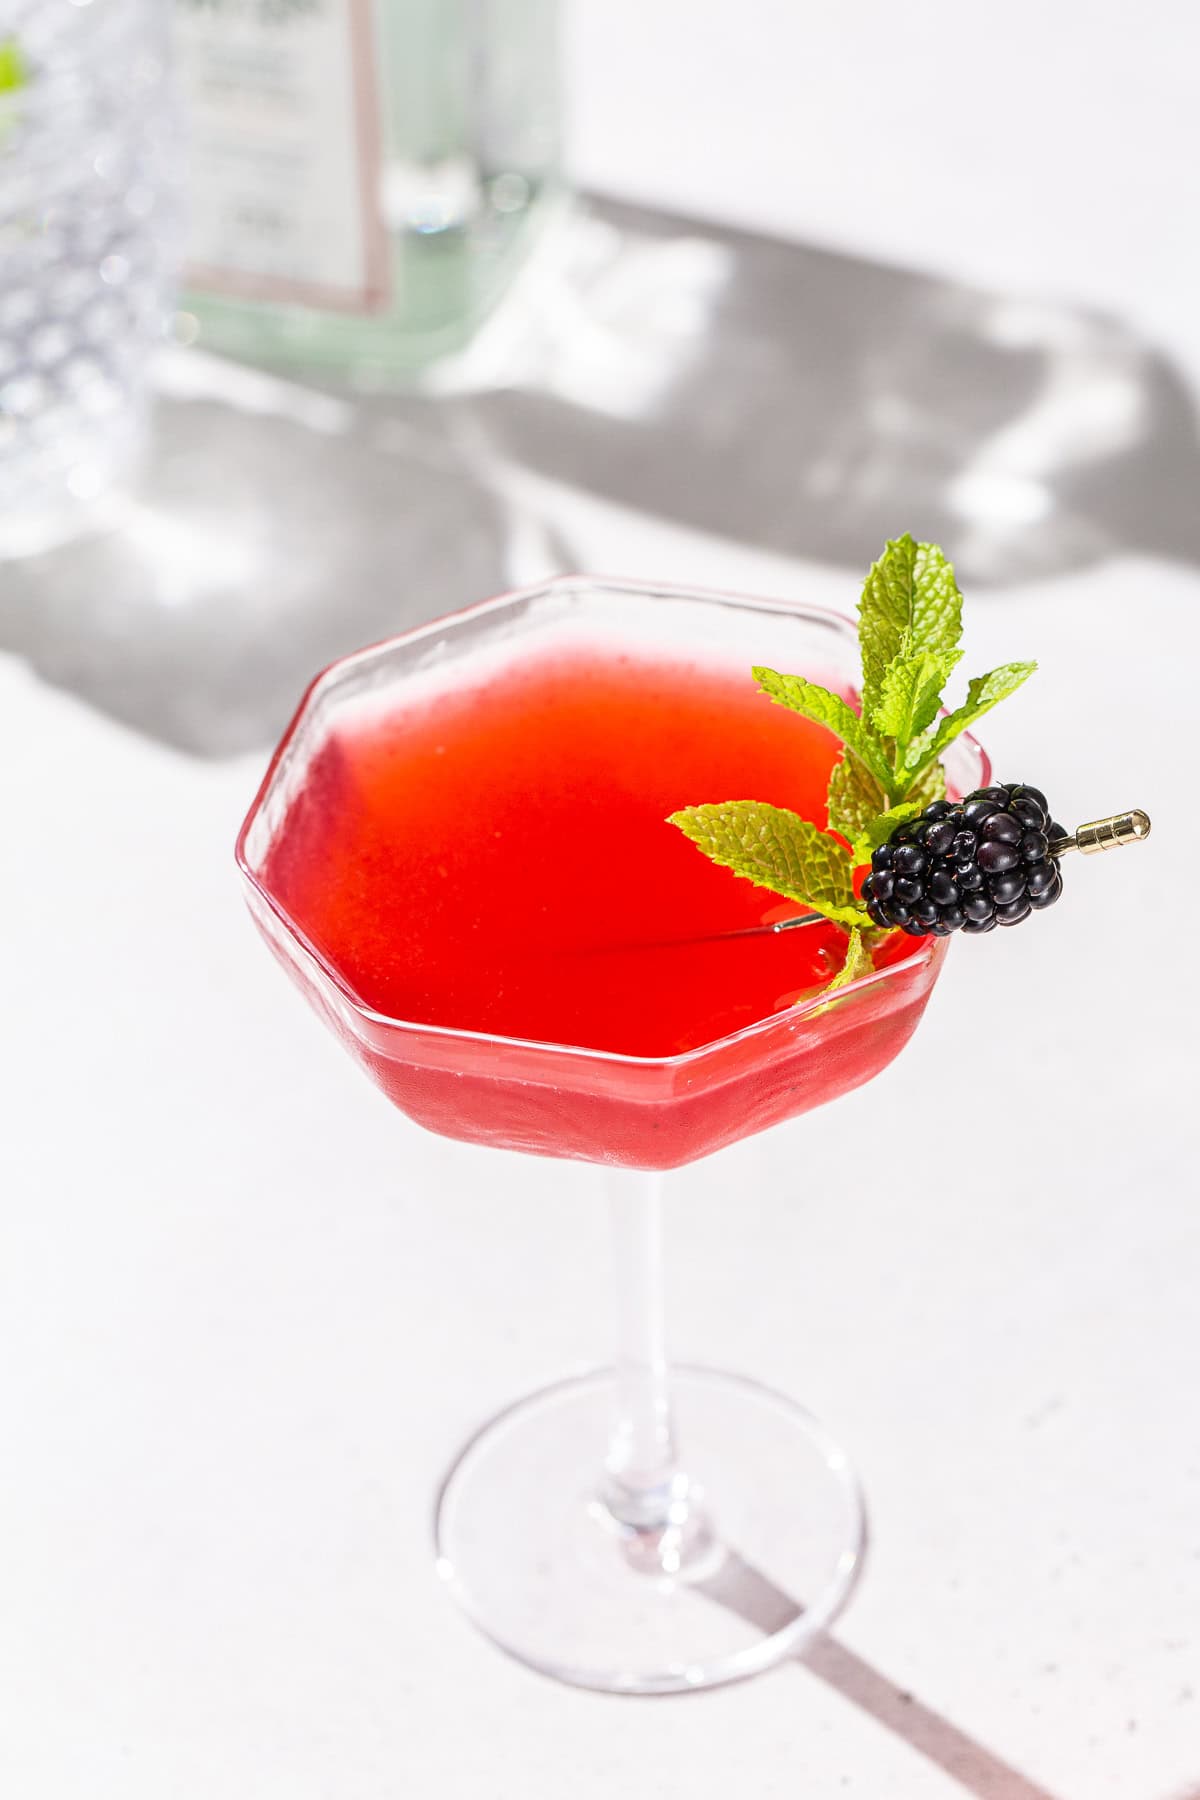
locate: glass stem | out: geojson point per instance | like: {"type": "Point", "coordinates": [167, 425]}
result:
{"type": "Point", "coordinates": [645, 1489]}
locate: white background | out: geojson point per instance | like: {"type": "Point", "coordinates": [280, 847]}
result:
{"type": "Point", "coordinates": [247, 1312]}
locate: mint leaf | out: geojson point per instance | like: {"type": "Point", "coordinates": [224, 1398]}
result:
{"type": "Point", "coordinates": [910, 603]}
{"type": "Point", "coordinates": [858, 961]}
{"type": "Point", "coordinates": [916, 754]}
{"type": "Point", "coordinates": [854, 799]}
{"type": "Point", "coordinates": [13, 72]}
{"type": "Point", "coordinates": [910, 694]}
{"type": "Point", "coordinates": [879, 829]}
{"type": "Point", "coordinates": [778, 850]}
{"type": "Point", "coordinates": [827, 709]}
{"type": "Point", "coordinates": [984, 692]}
{"type": "Point", "coordinates": [931, 785]}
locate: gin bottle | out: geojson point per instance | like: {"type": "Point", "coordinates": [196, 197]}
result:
{"type": "Point", "coordinates": [366, 175]}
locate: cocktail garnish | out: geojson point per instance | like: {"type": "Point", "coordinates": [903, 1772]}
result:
{"type": "Point", "coordinates": [936, 866]}
{"type": "Point", "coordinates": [1111, 833]}
{"type": "Point", "coordinates": [992, 860]}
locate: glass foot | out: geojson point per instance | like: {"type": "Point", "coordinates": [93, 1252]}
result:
{"type": "Point", "coordinates": [758, 1551]}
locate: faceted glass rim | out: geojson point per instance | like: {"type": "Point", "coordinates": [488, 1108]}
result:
{"type": "Point", "coordinates": [328, 678]}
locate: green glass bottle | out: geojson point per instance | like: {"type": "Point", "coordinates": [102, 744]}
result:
{"type": "Point", "coordinates": [367, 175]}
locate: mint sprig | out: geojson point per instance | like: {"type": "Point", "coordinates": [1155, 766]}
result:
{"type": "Point", "coordinates": [909, 627]}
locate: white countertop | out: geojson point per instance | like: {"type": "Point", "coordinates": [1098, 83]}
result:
{"type": "Point", "coordinates": [248, 1312]}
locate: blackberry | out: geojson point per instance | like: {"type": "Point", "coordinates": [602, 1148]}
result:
{"type": "Point", "coordinates": [972, 866]}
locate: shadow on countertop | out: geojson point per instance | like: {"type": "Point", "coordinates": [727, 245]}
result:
{"type": "Point", "coordinates": [741, 1588]}
{"type": "Point", "coordinates": [814, 404]}
{"type": "Point", "coordinates": [975, 1769]}
{"type": "Point", "coordinates": [278, 527]}
{"type": "Point", "coordinates": [780, 395]}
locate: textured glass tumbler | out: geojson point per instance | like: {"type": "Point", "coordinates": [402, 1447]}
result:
{"type": "Point", "coordinates": [639, 1529]}
{"type": "Point", "coordinates": [88, 193]}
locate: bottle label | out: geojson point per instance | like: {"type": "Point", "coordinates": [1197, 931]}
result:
{"type": "Point", "coordinates": [283, 105]}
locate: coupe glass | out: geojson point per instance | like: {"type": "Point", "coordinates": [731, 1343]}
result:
{"type": "Point", "coordinates": [637, 1529]}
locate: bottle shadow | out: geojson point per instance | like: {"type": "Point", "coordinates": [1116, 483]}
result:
{"type": "Point", "coordinates": [979, 1771]}
{"type": "Point", "coordinates": [780, 395]}
{"type": "Point", "coordinates": [814, 403]}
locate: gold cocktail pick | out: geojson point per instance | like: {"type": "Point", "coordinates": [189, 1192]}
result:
{"type": "Point", "coordinates": [1105, 834]}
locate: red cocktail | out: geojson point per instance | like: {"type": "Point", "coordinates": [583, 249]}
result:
{"type": "Point", "coordinates": [461, 854]}
{"type": "Point", "coordinates": [471, 868]}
